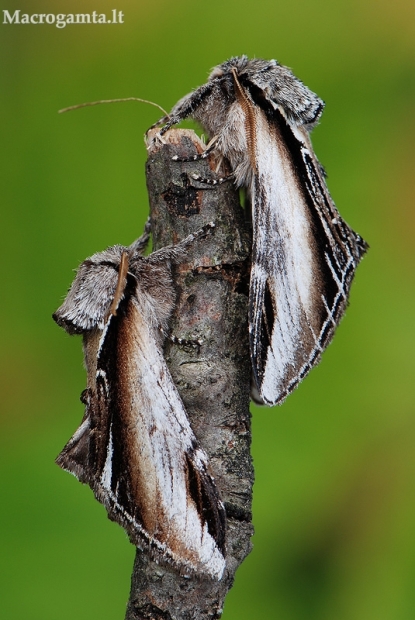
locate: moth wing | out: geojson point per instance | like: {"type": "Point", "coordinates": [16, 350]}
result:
{"type": "Point", "coordinates": [304, 259]}
{"type": "Point", "coordinates": [144, 463]}
{"type": "Point", "coordinates": [278, 86]}
{"type": "Point", "coordinates": [74, 457]}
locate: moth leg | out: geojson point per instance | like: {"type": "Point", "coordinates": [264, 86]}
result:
{"type": "Point", "coordinates": [140, 244]}
{"type": "Point", "coordinates": [181, 341]}
{"type": "Point", "coordinates": [214, 182]}
{"type": "Point", "coordinates": [185, 108]}
{"type": "Point", "coordinates": [177, 253]}
{"type": "Point", "coordinates": [157, 138]}
{"type": "Point", "coordinates": [198, 234]}
{"type": "Point", "coordinates": [209, 149]}
{"type": "Point", "coordinates": [162, 120]}
{"type": "Point", "coordinates": [169, 122]}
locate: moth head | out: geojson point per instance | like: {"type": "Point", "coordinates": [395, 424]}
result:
{"type": "Point", "coordinates": [236, 62]}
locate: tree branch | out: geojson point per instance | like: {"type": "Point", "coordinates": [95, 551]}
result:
{"type": "Point", "coordinates": [214, 380]}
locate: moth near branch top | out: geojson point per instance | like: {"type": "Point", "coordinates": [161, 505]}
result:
{"type": "Point", "coordinates": [135, 446]}
{"type": "Point", "coordinates": [258, 116]}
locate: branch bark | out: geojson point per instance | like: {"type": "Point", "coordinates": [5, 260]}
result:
{"type": "Point", "coordinates": [213, 381]}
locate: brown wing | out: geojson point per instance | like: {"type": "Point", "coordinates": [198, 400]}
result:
{"type": "Point", "coordinates": [137, 451]}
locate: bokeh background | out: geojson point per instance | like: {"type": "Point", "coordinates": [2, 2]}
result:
{"type": "Point", "coordinates": [334, 508]}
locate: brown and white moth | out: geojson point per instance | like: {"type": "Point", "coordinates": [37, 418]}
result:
{"type": "Point", "coordinates": [258, 115]}
{"type": "Point", "coordinates": [135, 447]}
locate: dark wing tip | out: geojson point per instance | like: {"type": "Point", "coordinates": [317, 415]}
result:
{"type": "Point", "coordinates": [73, 466]}
{"type": "Point", "coordinates": [205, 495]}
{"type": "Point", "coordinates": [362, 246]}
{"type": "Point", "coordinates": [67, 324]}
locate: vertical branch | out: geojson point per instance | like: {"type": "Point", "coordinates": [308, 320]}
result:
{"type": "Point", "coordinates": [214, 380]}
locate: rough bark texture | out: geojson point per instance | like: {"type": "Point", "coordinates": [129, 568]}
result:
{"type": "Point", "coordinates": [214, 379]}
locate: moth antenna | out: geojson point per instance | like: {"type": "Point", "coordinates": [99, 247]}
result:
{"type": "Point", "coordinates": [122, 275]}
{"type": "Point", "coordinates": [90, 103]}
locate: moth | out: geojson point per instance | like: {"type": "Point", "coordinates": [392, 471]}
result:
{"type": "Point", "coordinates": [135, 447]}
{"type": "Point", "coordinates": [258, 116]}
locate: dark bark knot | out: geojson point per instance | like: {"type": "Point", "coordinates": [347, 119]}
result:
{"type": "Point", "coordinates": [182, 200]}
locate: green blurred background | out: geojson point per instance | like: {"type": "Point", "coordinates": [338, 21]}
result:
{"type": "Point", "coordinates": [334, 508]}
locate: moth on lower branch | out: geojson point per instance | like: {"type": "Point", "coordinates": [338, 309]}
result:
{"type": "Point", "coordinates": [258, 115]}
{"type": "Point", "coordinates": [135, 447]}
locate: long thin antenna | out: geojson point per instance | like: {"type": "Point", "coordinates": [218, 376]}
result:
{"type": "Point", "coordinates": [84, 105]}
